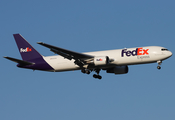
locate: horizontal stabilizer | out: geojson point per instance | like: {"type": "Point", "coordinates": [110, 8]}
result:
{"type": "Point", "coordinates": [21, 62]}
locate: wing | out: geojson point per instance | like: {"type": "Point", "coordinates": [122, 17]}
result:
{"type": "Point", "coordinates": [80, 59]}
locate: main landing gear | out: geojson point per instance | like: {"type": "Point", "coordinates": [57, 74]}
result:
{"type": "Point", "coordinates": [97, 75]}
{"type": "Point", "coordinates": [159, 63]}
{"type": "Point", "coordinates": [86, 71]}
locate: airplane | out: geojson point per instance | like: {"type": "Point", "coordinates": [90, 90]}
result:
{"type": "Point", "coordinates": [112, 61]}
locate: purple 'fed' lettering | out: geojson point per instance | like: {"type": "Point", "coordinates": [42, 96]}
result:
{"type": "Point", "coordinates": [134, 52]}
{"type": "Point", "coordinates": [129, 53]}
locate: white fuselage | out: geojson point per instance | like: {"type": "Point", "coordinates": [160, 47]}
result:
{"type": "Point", "coordinates": [126, 56]}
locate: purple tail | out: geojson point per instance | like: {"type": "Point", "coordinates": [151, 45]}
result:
{"type": "Point", "coordinates": [27, 52]}
{"type": "Point", "coordinates": [31, 58]}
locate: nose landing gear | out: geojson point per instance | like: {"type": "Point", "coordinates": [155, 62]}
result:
{"type": "Point", "coordinates": [159, 63]}
{"type": "Point", "coordinates": [158, 67]}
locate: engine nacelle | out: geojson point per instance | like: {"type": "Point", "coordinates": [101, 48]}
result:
{"type": "Point", "coordinates": [101, 60]}
{"type": "Point", "coordinates": [118, 70]}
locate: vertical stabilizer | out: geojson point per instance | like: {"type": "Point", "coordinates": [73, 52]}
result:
{"type": "Point", "coordinates": [26, 50]}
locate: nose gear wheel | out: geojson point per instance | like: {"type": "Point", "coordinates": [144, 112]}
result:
{"type": "Point", "coordinates": [159, 63]}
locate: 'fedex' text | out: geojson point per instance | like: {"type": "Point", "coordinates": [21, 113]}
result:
{"type": "Point", "coordinates": [26, 49]}
{"type": "Point", "coordinates": [138, 51]}
{"type": "Point", "coordinates": [100, 59]}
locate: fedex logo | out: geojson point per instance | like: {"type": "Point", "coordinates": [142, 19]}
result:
{"type": "Point", "coordinates": [138, 51]}
{"type": "Point", "coordinates": [100, 59]}
{"type": "Point", "coordinates": [25, 50]}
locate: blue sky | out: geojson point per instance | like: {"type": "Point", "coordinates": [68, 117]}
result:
{"type": "Point", "coordinates": [145, 93]}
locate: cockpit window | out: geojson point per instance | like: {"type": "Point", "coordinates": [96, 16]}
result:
{"type": "Point", "coordinates": [164, 49]}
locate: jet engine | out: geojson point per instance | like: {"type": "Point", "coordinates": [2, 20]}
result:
{"type": "Point", "coordinates": [118, 70]}
{"type": "Point", "coordinates": [101, 60]}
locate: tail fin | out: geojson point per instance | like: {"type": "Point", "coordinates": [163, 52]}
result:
{"type": "Point", "coordinates": [26, 50]}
